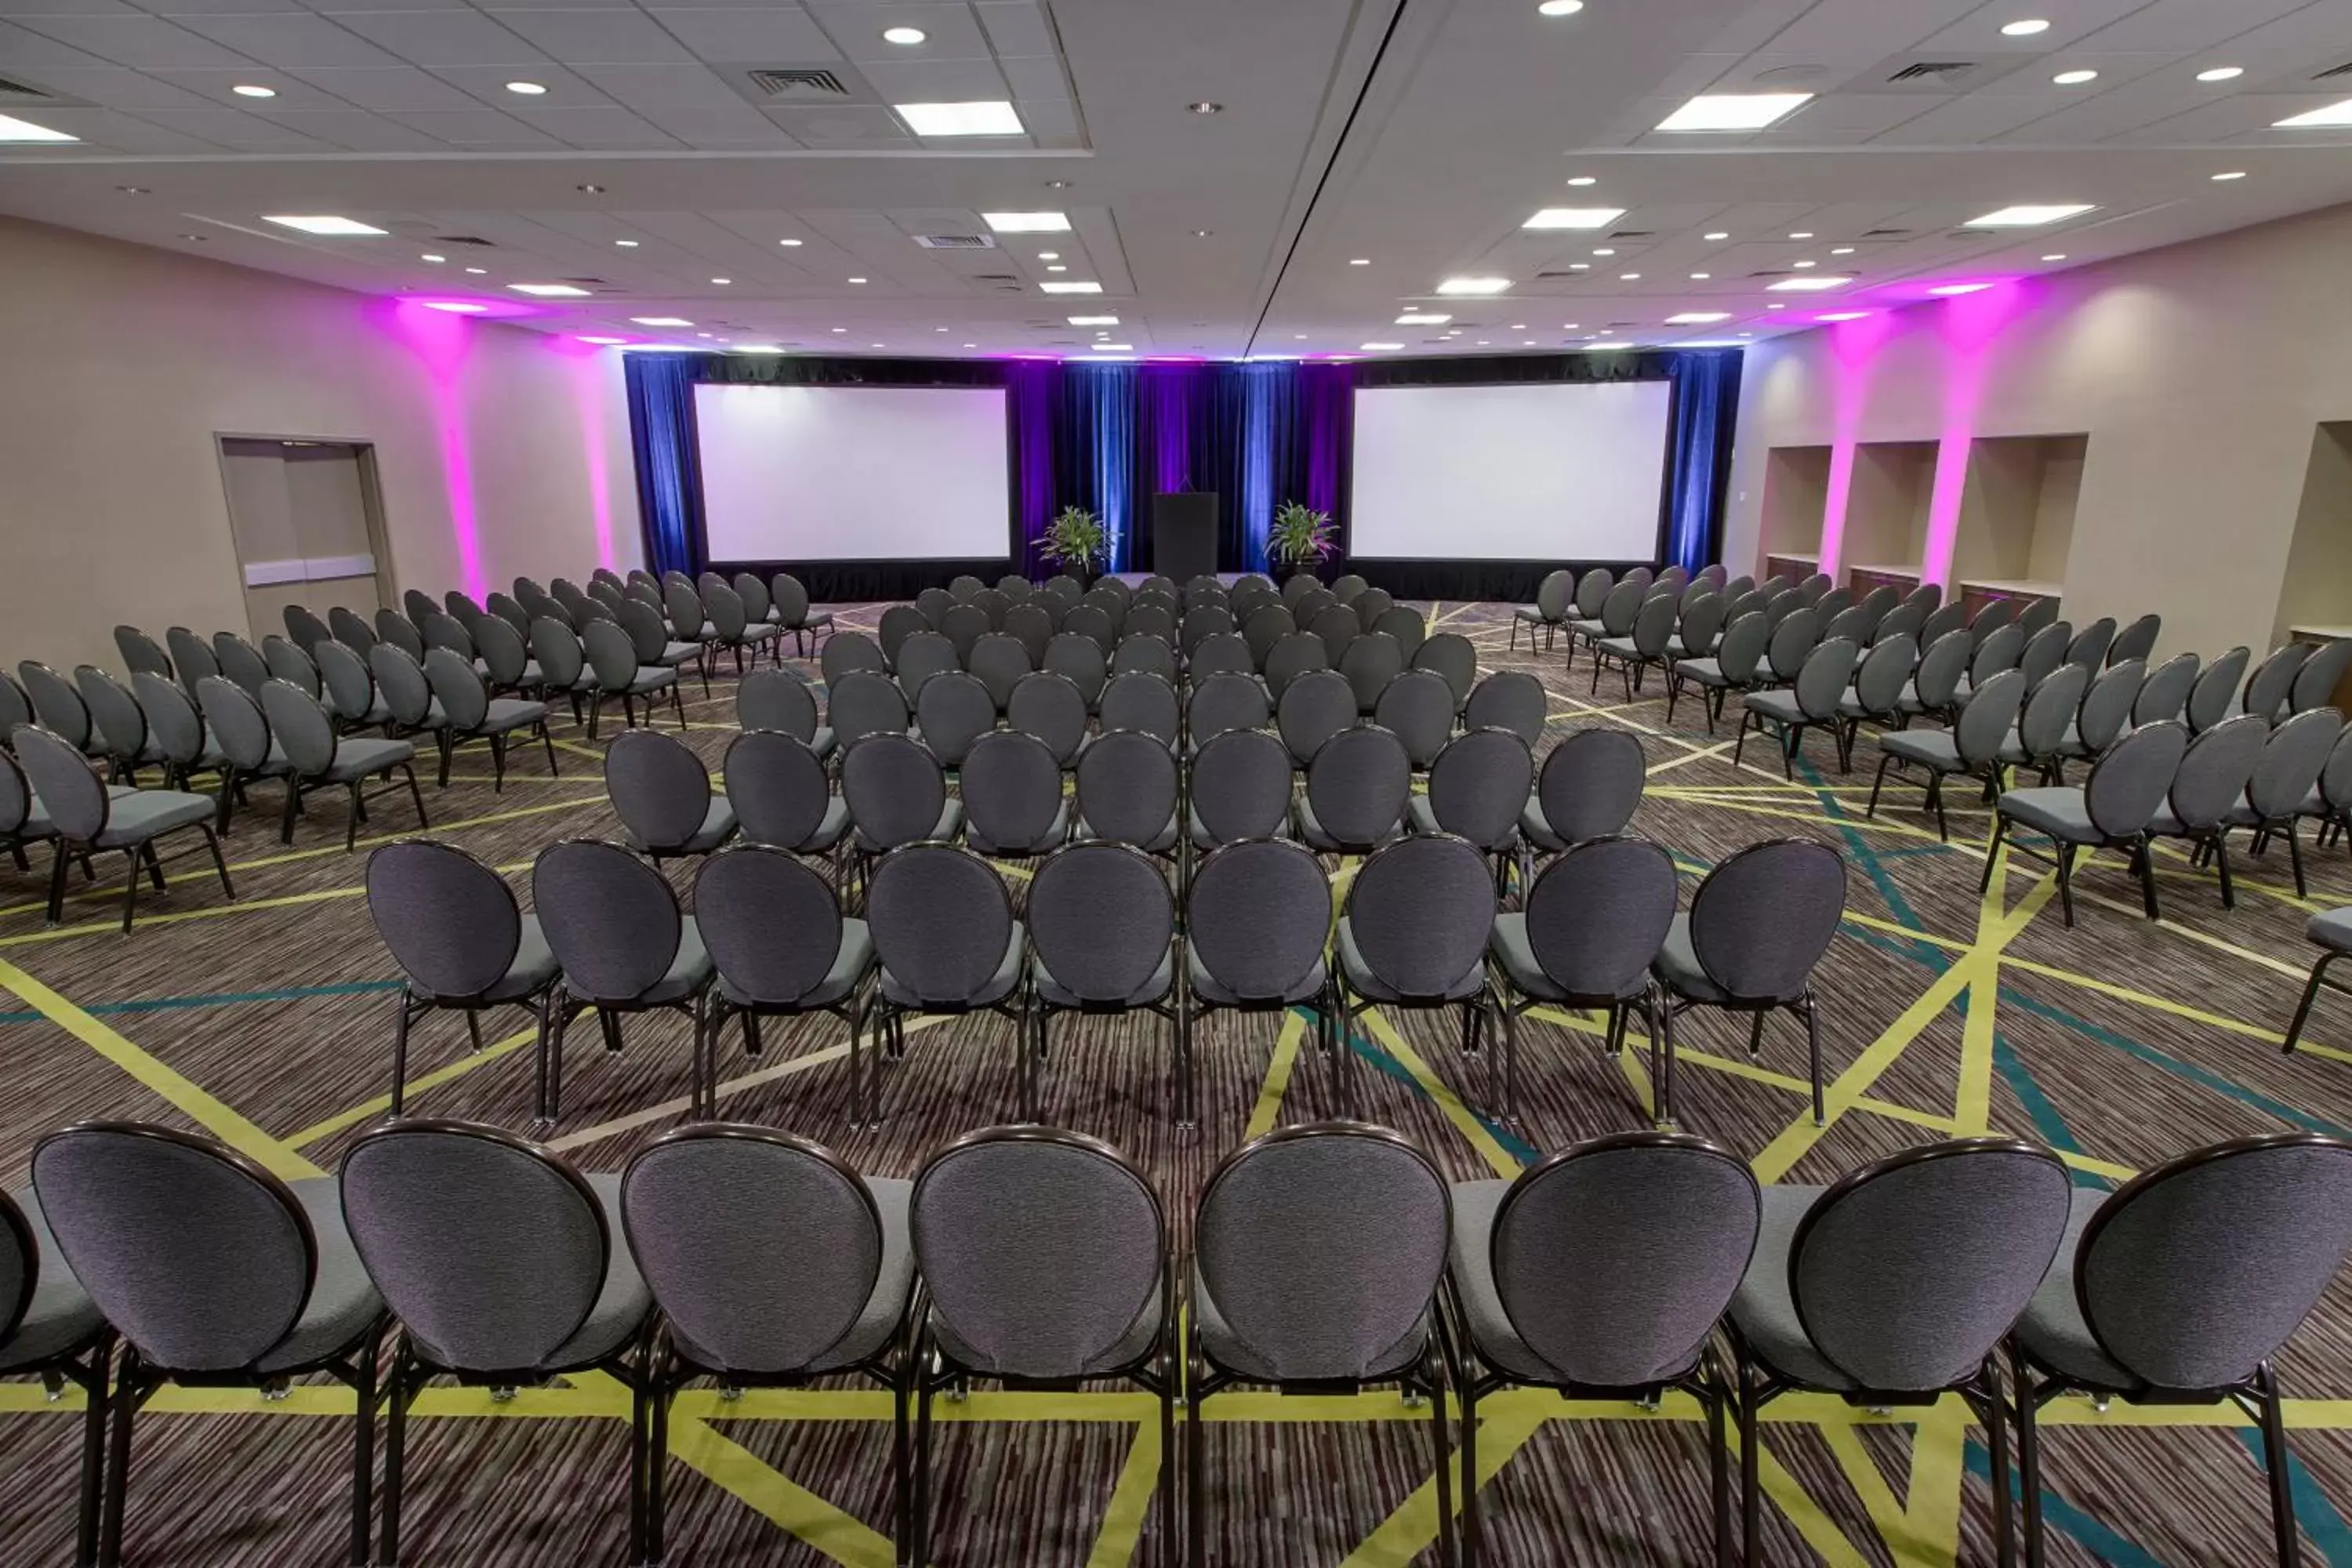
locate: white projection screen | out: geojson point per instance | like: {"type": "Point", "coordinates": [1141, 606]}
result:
{"type": "Point", "coordinates": [1542, 472]}
{"type": "Point", "coordinates": [854, 473]}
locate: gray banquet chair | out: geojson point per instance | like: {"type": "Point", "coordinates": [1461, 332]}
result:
{"type": "Point", "coordinates": [15, 709]}
{"type": "Point", "coordinates": [2091, 645]}
{"type": "Point", "coordinates": [192, 656]}
{"type": "Point", "coordinates": [1226, 700]}
{"type": "Point", "coordinates": [1894, 1286]}
{"type": "Point", "coordinates": [661, 792]}
{"type": "Point", "coordinates": [1413, 934]}
{"type": "Point", "coordinates": [1419, 709]}
{"type": "Point", "coordinates": [1556, 1280]}
{"type": "Point", "coordinates": [1757, 926]}
{"type": "Point", "coordinates": [689, 629]}
{"type": "Point", "coordinates": [1971, 747]}
{"type": "Point", "coordinates": [736, 629]}
{"type": "Point", "coordinates": [58, 708]}
{"type": "Point", "coordinates": [505, 1267]}
{"type": "Point", "coordinates": [352, 629]}
{"type": "Point", "coordinates": [1080, 660]}
{"type": "Point", "coordinates": [895, 625]}
{"type": "Point", "coordinates": [943, 922]}
{"type": "Point", "coordinates": [2044, 653]}
{"type": "Point", "coordinates": [562, 660]}
{"type": "Point", "coordinates": [2106, 710]}
{"type": "Point", "coordinates": [1934, 687]}
{"type": "Point", "coordinates": [2051, 712]}
{"type": "Point", "coordinates": [2183, 1287]}
{"type": "Point", "coordinates": [773, 1264]}
{"type": "Point", "coordinates": [2294, 756]}
{"type": "Point", "coordinates": [1033, 626]}
{"type": "Point", "coordinates": [2272, 680]}
{"type": "Point", "coordinates": [240, 661]}
{"type": "Point", "coordinates": [1555, 595]}
{"type": "Point", "coordinates": [1456, 657]}
{"type": "Point", "coordinates": [1102, 941]}
{"type": "Point", "coordinates": [1594, 922]}
{"type": "Point", "coordinates": [287, 662]}
{"type": "Point", "coordinates": [782, 949]}
{"type": "Point", "coordinates": [862, 703]}
{"type": "Point", "coordinates": [2136, 640]}
{"type": "Point", "coordinates": [49, 1330]}
{"type": "Point", "coordinates": [1406, 625]}
{"type": "Point", "coordinates": [176, 729]}
{"type": "Point", "coordinates": [1085, 1298]}
{"type": "Point", "coordinates": [794, 615]}
{"type": "Point", "coordinates": [1734, 666]}
{"type": "Point", "coordinates": [1138, 700]}
{"type": "Point", "coordinates": [963, 626]}
{"type": "Point", "coordinates": [921, 657]}
{"type": "Point", "coordinates": [1479, 786]}
{"type": "Point", "coordinates": [406, 691]}
{"type": "Point", "coordinates": [1128, 791]}
{"type": "Point", "coordinates": [1371, 662]}
{"type": "Point", "coordinates": [142, 655]}
{"type": "Point", "coordinates": [1508, 699]}
{"type": "Point", "coordinates": [897, 794]}
{"type": "Point", "coordinates": [613, 657]}
{"type": "Point", "coordinates": [1201, 622]}
{"type": "Point", "coordinates": [2208, 699]}
{"type": "Point", "coordinates": [613, 924]}
{"type": "Point", "coordinates": [1293, 654]}
{"type": "Point", "coordinates": [2329, 806]}
{"type": "Point", "coordinates": [1238, 786]}
{"type": "Point", "coordinates": [1317, 1256]}
{"type": "Point", "coordinates": [1371, 605]}
{"type": "Point", "coordinates": [998, 662]}
{"type": "Point", "coordinates": [1256, 915]}
{"type": "Point", "coordinates": [2001, 650]}
{"type": "Point", "coordinates": [214, 1273]}
{"type": "Point", "coordinates": [1643, 646]}
{"type": "Point", "coordinates": [440, 631]}
{"type": "Point", "coordinates": [118, 723]}
{"type": "Point", "coordinates": [2331, 932]}
{"type": "Point", "coordinates": [1357, 787]}
{"type": "Point", "coordinates": [473, 714]}
{"type": "Point", "coordinates": [1811, 702]}
{"type": "Point", "coordinates": [87, 817]}
{"type": "Point", "coordinates": [318, 758]}
{"type": "Point", "coordinates": [1222, 653]}
{"type": "Point", "coordinates": [1316, 707]}
{"type": "Point", "coordinates": [2210, 781]}
{"type": "Point", "coordinates": [650, 639]}
{"type": "Point", "coordinates": [2115, 808]}
{"type": "Point", "coordinates": [952, 710]}
{"type": "Point", "coordinates": [1620, 609]}
{"type": "Point", "coordinates": [236, 726]}
{"type": "Point", "coordinates": [2322, 673]}
{"type": "Point", "coordinates": [782, 700]}
{"type": "Point", "coordinates": [1336, 625]}
{"type": "Point", "coordinates": [1876, 695]}
{"type": "Point", "coordinates": [1263, 628]}
{"type": "Point", "coordinates": [1050, 706]}
{"type": "Point", "coordinates": [777, 784]}
{"type": "Point", "coordinates": [1092, 620]}
{"type": "Point", "coordinates": [1589, 787]}
{"type": "Point", "coordinates": [452, 924]}
{"type": "Point", "coordinates": [1348, 585]}
{"type": "Point", "coordinates": [1011, 791]}
{"type": "Point", "coordinates": [390, 627]}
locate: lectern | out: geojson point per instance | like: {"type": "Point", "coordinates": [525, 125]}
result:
{"type": "Point", "coordinates": [1185, 534]}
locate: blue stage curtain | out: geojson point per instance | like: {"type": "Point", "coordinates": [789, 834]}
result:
{"type": "Point", "coordinates": [1272, 448]}
{"type": "Point", "coordinates": [1096, 451]}
{"type": "Point", "coordinates": [669, 462]}
{"type": "Point", "coordinates": [1699, 442]}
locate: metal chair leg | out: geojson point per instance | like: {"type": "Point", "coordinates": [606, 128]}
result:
{"type": "Point", "coordinates": [2310, 995]}
{"type": "Point", "coordinates": [2276, 1460]}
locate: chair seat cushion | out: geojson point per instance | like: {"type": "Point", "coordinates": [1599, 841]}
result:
{"type": "Point", "coordinates": [1619, 648]}
{"type": "Point", "coordinates": [1311, 831]}
{"type": "Point", "coordinates": [358, 758]}
{"type": "Point", "coordinates": [136, 819]}
{"type": "Point", "coordinates": [995, 989]}
{"type": "Point", "coordinates": [1535, 828]}
{"type": "Point", "coordinates": [1706, 671]}
{"type": "Point", "coordinates": [1586, 626]}
{"type": "Point", "coordinates": [1161, 842]}
{"type": "Point", "coordinates": [951, 818]}
{"type": "Point", "coordinates": [343, 1301]}
{"type": "Point", "coordinates": [1933, 749]}
{"type": "Point", "coordinates": [2331, 929]}
{"type": "Point", "coordinates": [1153, 989]}
{"type": "Point", "coordinates": [1204, 840]}
{"type": "Point", "coordinates": [679, 652]}
{"type": "Point", "coordinates": [508, 714]}
{"type": "Point", "coordinates": [1358, 977]}
{"type": "Point", "coordinates": [60, 1316]}
{"type": "Point", "coordinates": [1529, 613]}
{"type": "Point", "coordinates": [686, 972]}
{"type": "Point", "coordinates": [651, 677]}
{"type": "Point", "coordinates": [1229, 1353]}
{"type": "Point", "coordinates": [1516, 954]}
{"type": "Point", "coordinates": [1677, 967]}
{"type": "Point", "coordinates": [2052, 1328]}
{"type": "Point", "coordinates": [622, 1305]}
{"type": "Point", "coordinates": [1207, 987]}
{"type": "Point", "coordinates": [830, 827]}
{"type": "Point", "coordinates": [1764, 1309]}
{"type": "Point", "coordinates": [1779, 707]}
{"type": "Point", "coordinates": [851, 960]}
{"type": "Point", "coordinates": [2058, 810]}
{"type": "Point", "coordinates": [821, 741]}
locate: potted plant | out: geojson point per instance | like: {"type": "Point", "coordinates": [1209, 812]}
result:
{"type": "Point", "coordinates": [1299, 538]}
{"type": "Point", "coordinates": [1075, 542]}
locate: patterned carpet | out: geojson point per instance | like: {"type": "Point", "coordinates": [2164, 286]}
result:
{"type": "Point", "coordinates": [2119, 1044]}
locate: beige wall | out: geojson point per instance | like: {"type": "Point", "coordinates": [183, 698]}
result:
{"type": "Point", "coordinates": [126, 364]}
{"type": "Point", "coordinates": [2199, 374]}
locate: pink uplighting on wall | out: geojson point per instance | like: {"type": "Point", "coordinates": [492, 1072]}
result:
{"type": "Point", "coordinates": [441, 341]}
{"type": "Point", "coordinates": [1854, 344]}
{"type": "Point", "coordinates": [1970, 322]}
{"type": "Point", "coordinates": [589, 373]}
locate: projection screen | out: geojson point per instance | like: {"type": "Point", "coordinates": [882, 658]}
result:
{"type": "Point", "coordinates": [1547, 471]}
{"type": "Point", "coordinates": [854, 473]}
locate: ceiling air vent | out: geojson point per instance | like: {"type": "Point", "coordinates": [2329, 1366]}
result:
{"type": "Point", "coordinates": [587, 282]}
{"type": "Point", "coordinates": [798, 83]}
{"type": "Point", "coordinates": [12, 90]}
{"type": "Point", "coordinates": [1556, 274]}
{"type": "Point", "coordinates": [1773, 272]}
{"type": "Point", "coordinates": [1634, 234]}
{"type": "Point", "coordinates": [955, 242]}
{"type": "Point", "coordinates": [1936, 73]}
{"type": "Point", "coordinates": [1885, 233]}
{"type": "Point", "coordinates": [473, 239]}
{"type": "Point", "coordinates": [994, 277]}
{"type": "Point", "coordinates": [2334, 71]}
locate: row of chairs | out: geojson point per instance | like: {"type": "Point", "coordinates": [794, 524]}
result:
{"type": "Point", "coordinates": [1323, 1258]}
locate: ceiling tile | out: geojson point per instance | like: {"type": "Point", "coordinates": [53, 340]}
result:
{"type": "Point", "coordinates": [686, 84]}
{"type": "Point", "coordinates": [2188, 24]}
{"type": "Point", "coordinates": [475, 127]}
{"type": "Point", "coordinates": [239, 8]}
{"type": "Point", "coordinates": [951, 32]}
{"type": "Point", "coordinates": [442, 37]}
{"type": "Point", "coordinates": [1048, 116]}
{"type": "Point", "coordinates": [279, 39]}
{"type": "Point", "coordinates": [597, 127]}
{"type": "Point", "coordinates": [602, 36]}
{"type": "Point", "coordinates": [389, 91]}
{"type": "Point", "coordinates": [110, 130]}
{"type": "Point", "coordinates": [23, 53]}
{"type": "Point", "coordinates": [357, 130]}
{"type": "Point", "coordinates": [1037, 76]}
{"type": "Point", "coordinates": [1017, 27]}
{"type": "Point", "coordinates": [119, 86]}
{"type": "Point", "coordinates": [141, 41]}
{"type": "Point", "coordinates": [67, 8]}
{"type": "Point", "coordinates": [936, 81]}
{"type": "Point", "coordinates": [782, 35]}
{"type": "Point", "coordinates": [718, 122]}
{"type": "Point", "coordinates": [843, 125]}
{"type": "Point", "coordinates": [1963, 122]}
{"type": "Point", "coordinates": [235, 128]}
{"type": "Point", "coordinates": [2076, 22]}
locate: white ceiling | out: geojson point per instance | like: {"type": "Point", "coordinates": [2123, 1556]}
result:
{"type": "Point", "coordinates": [1415, 134]}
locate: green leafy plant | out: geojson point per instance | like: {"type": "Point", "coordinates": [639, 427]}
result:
{"type": "Point", "coordinates": [1299, 537]}
{"type": "Point", "coordinates": [1074, 539]}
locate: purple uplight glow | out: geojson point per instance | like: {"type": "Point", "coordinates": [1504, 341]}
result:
{"type": "Point", "coordinates": [441, 342]}
{"type": "Point", "coordinates": [466, 305]}
{"type": "Point", "coordinates": [1853, 343]}
{"type": "Point", "coordinates": [589, 372]}
{"type": "Point", "coordinates": [1971, 318]}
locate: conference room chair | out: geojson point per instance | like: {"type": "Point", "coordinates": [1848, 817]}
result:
{"type": "Point", "coordinates": [1256, 916]}
{"type": "Point", "coordinates": [1299, 584]}
{"type": "Point", "coordinates": [1928, 596]}
{"type": "Point", "coordinates": [2106, 712]}
{"type": "Point", "coordinates": [619, 672]}
{"type": "Point", "coordinates": [1995, 614]}
{"type": "Point", "coordinates": [1293, 654]}
{"type": "Point", "coordinates": [943, 923]}
{"type": "Point", "coordinates": [1102, 941]}
{"type": "Point", "coordinates": [777, 784]}
{"type": "Point", "coordinates": [623, 947]}
{"type": "Point", "coordinates": [1876, 696]}
{"type": "Point", "coordinates": [192, 657]}
{"type": "Point", "coordinates": [2272, 680]}
{"type": "Point", "coordinates": [1348, 585]}
{"type": "Point", "coordinates": [896, 794]}
{"type": "Point", "coordinates": [1263, 628]}
{"type": "Point", "coordinates": [2038, 745]}
{"type": "Point", "coordinates": [650, 642]}
{"type": "Point", "coordinates": [2037, 615]}
{"type": "Point", "coordinates": [1592, 591]}
{"type": "Point", "coordinates": [1358, 783]}
{"type": "Point", "coordinates": [2210, 700]}
{"type": "Point", "coordinates": [1733, 667]}
{"type": "Point", "coordinates": [505, 1267]}
{"type": "Point", "coordinates": [239, 728]}
{"type": "Point", "coordinates": [1792, 640]}
{"type": "Point", "coordinates": [1776, 586]}
{"type": "Point", "coordinates": [2330, 930]}
{"type": "Point", "coordinates": [1371, 605]}
{"type": "Point", "coordinates": [895, 625]}
{"type": "Point", "coordinates": [2322, 673]}
{"type": "Point", "coordinates": [1221, 653]}
{"type": "Point", "coordinates": [1336, 627]}
{"type": "Point", "coordinates": [1509, 700]}
{"type": "Point", "coordinates": [1128, 791]}
{"type": "Point", "coordinates": [1555, 596]}
{"type": "Point", "coordinates": [141, 654]}
{"type": "Point", "coordinates": [1011, 791]}
{"type": "Point", "coordinates": [952, 711]}
{"type": "Point", "coordinates": [2211, 779]}
{"type": "Point", "coordinates": [2045, 655]}
{"type": "Point", "coordinates": [2294, 756]}
{"type": "Point", "coordinates": [473, 714]}
{"type": "Point", "coordinates": [1050, 706]}
{"type": "Point", "coordinates": [15, 708]}
{"type": "Point", "coordinates": [119, 725]}
{"type": "Point", "coordinates": [2183, 1287]}
{"type": "Point", "coordinates": [1758, 925]}
{"type": "Point", "coordinates": [1250, 593]}
{"type": "Point", "coordinates": [1149, 619]}
{"type": "Point", "coordinates": [1405, 624]}
{"type": "Point", "coordinates": [1555, 1281]}
{"type": "Point", "coordinates": [845, 652]}
{"type": "Point", "coordinates": [1852, 624]}
{"type": "Point", "coordinates": [1833, 604]}
{"type": "Point", "coordinates": [1015, 587]}
{"type": "Point", "coordinates": [690, 627]}
{"type": "Point", "coordinates": [1313, 709]}
{"type": "Point", "coordinates": [781, 948]}
{"type": "Point", "coordinates": [58, 708]}
{"type": "Point", "coordinates": [661, 792]}
{"type": "Point", "coordinates": [352, 629]}
{"type": "Point", "coordinates": [215, 1274]}
{"type": "Point", "coordinates": [1418, 708]}
{"type": "Point", "coordinates": [1311, 603]}
{"type": "Point", "coordinates": [1032, 627]}
{"type": "Point", "coordinates": [1140, 700]}
{"type": "Point", "coordinates": [452, 924]}
{"type": "Point", "coordinates": [2115, 808]}
{"type": "Point", "coordinates": [506, 662]}
{"type": "Point", "coordinates": [963, 587]}
{"type": "Point", "coordinates": [240, 661]}
{"type": "Point", "coordinates": [1062, 585]}
{"type": "Point", "coordinates": [319, 758]}
{"type": "Point", "coordinates": [1479, 785]}
{"type": "Point", "coordinates": [2091, 645]}
{"type": "Point", "coordinates": [1640, 645]}
{"type": "Point", "coordinates": [286, 660]}
{"type": "Point", "coordinates": [1895, 1286]}
{"type": "Point", "coordinates": [1698, 626]}
{"type": "Point", "coordinates": [758, 603]}
{"type": "Point", "coordinates": [1878, 603]}
{"type": "Point", "coordinates": [562, 663]}
{"type": "Point", "coordinates": [50, 1329]}
{"type": "Point", "coordinates": [1080, 659]}
{"type": "Point", "coordinates": [1781, 607]}
{"type": "Point", "coordinates": [1413, 934]}
{"type": "Point", "coordinates": [963, 625]}
{"type": "Point", "coordinates": [447, 631]}
{"type": "Point", "coordinates": [416, 604]}
{"type": "Point", "coordinates": [2165, 694]}
{"type": "Point", "coordinates": [1812, 701]}
{"type": "Point", "coordinates": [2136, 640]}
{"type": "Point", "coordinates": [1317, 1256]}
{"type": "Point", "coordinates": [538, 603]}
{"type": "Point", "coordinates": [176, 731]}
{"type": "Point", "coordinates": [1237, 786]}
{"type": "Point", "coordinates": [393, 627]}
{"type": "Point", "coordinates": [1092, 619]}
{"type": "Point", "coordinates": [608, 594]}
{"type": "Point", "coordinates": [406, 691]}
{"type": "Point", "coordinates": [2329, 806]}
{"type": "Point", "coordinates": [1143, 653]}
{"type": "Point", "coordinates": [734, 628]}
{"type": "Point", "coordinates": [1970, 748]}
{"type": "Point", "coordinates": [1452, 656]}
{"type": "Point", "coordinates": [1902, 620]}
{"type": "Point", "coordinates": [1372, 660]}
{"type": "Point", "coordinates": [781, 699]}
{"type": "Point", "coordinates": [1588, 787]}
{"type": "Point", "coordinates": [1201, 622]}
{"type": "Point", "coordinates": [1934, 686]}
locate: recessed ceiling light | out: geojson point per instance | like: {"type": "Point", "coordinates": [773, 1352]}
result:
{"type": "Point", "coordinates": [1701, 277]}
{"type": "Point", "coordinates": [1299, 337]}
{"type": "Point", "coordinates": [1518, 326]}
{"type": "Point", "coordinates": [605, 342]}
{"type": "Point", "coordinates": [1066, 287]}
{"type": "Point", "coordinates": [1027, 222]}
{"type": "Point", "coordinates": [627, 244]}
{"type": "Point", "coordinates": [841, 328]}
{"type": "Point", "coordinates": [2231, 175]}
{"type": "Point", "coordinates": [1734, 111]}
{"type": "Point", "coordinates": [1423, 319]}
{"type": "Point", "coordinates": [528, 88]}
{"type": "Point", "coordinates": [792, 242]}
{"type": "Point", "coordinates": [479, 271]}
{"type": "Point", "coordinates": [903, 35]}
{"type": "Point", "coordinates": [1570, 326]}
{"type": "Point", "coordinates": [759, 347]}
{"type": "Point", "coordinates": [722, 282]}
{"type": "Point", "coordinates": [1049, 255]}
{"type": "Point", "coordinates": [1359, 261]}
{"type": "Point", "coordinates": [132, 190]}
{"type": "Point", "coordinates": [195, 238]}
{"type": "Point", "coordinates": [858, 281]}
{"type": "Point", "coordinates": [2334, 114]}
{"type": "Point", "coordinates": [1603, 250]}
{"type": "Point", "coordinates": [2029, 216]}
{"type": "Point", "coordinates": [2221, 73]}
{"type": "Point", "coordinates": [668, 321]}
{"type": "Point", "coordinates": [1092, 321]}
{"type": "Point", "coordinates": [1776, 307]}
{"type": "Point", "coordinates": [1718, 235]}
{"type": "Point", "coordinates": [987, 117]}
{"type": "Point", "coordinates": [550, 290]}
{"type": "Point", "coordinates": [1804, 264]}
{"type": "Point", "coordinates": [1697, 318]}
{"type": "Point", "coordinates": [247, 90]}
{"type": "Point", "coordinates": [2026, 28]}
{"type": "Point", "coordinates": [1112, 347]}
{"type": "Point", "coordinates": [429, 256]}
{"type": "Point", "coordinates": [874, 345]}
{"type": "Point", "coordinates": [322, 225]}
{"type": "Point", "coordinates": [2059, 255]}
{"type": "Point", "coordinates": [1202, 232]}
{"type": "Point", "coordinates": [1580, 180]}
{"type": "Point", "coordinates": [971, 345]}
{"type": "Point", "coordinates": [455, 306]}
{"type": "Point", "coordinates": [2075, 78]}
{"type": "Point", "coordinates": [1628, 277]}
{"type": "Point", "coordinates": [1812, 285]}
{"type": "Point", "coordinates": [1473, 285]}
{"type": "Point", "coordinates": [1559, 7]}
{"type": "Point", "coordinates": [1205, 107]}
{"type": "Point", "coordinates": [1580, 266]}
{"type": "Point", "coordinates": [1575, 217]}
{"type": "Point", "coordinates": [1801, 234]}
{"type": "Point", "coordinates": [1592, 348]}
{"type": "Point", "coordinates": [1484, 342]}
{"type": "Point", "coordinates": [1057, 267]}
{"type": "Point", "coordinates": [1383, 348]}
{"type": "Point", "coordinates": [1842, 316]}
{"type": "Point", "coordinates": [590, 190]}
{"type": "Point", "coordinates": [1948, 290]}
{"type": "Point", "coordinates": [1842, 250]}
